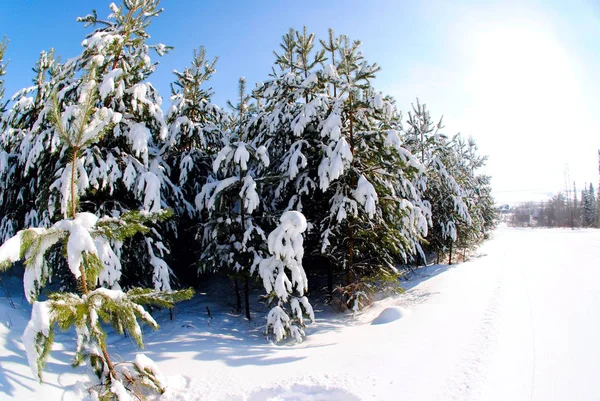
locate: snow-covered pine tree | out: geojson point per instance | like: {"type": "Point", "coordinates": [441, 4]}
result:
{"type": "Point", "coordinates": [588, 207]}
{"type": "Point", "coordinates": [92, 261]}
{"type": "Point", "coordinates": [285, 280]}
{"type": "Point", "coordinates": [477, 195]}
{"type": "Point", "coordinates": [124, 170]}
{"type": "Point", "coordinates": [444, 194]}
{"type": "Point", "coordinates": [287, 122]}
{"type": "Point", "coordinates": [126, 166]}
{"type": "Point", "coordinates": [293, 105]}
{"type": "Point", "coordinates": [26, 138]}
{"type": "Point", "coordinates": [310, 117]}
{"type": "Point", "coordinates": [233, 240]}
{"type": "Point", "coordinates": [376, 217]}
{"type": "Point", "coordinates": [195, 133]}
{"type": "Point", "coordinates": [195, 127]}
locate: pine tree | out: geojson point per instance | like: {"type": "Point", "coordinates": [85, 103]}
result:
{"type": "Point", "coordinates": [289, 126]}
{"type": "Point", "coordinates": [588, 207]}
{"type": "Point", "coordinates": [92, 261]}
{"type": "Point", "coordinates": [26, 138]}
{"type": "Point", "coordinates": [443, 192]}
{"type": "Point", "coordinates": [285, 280]}
{"type": "Point", "coordinates": [342, 152]}
{"type": "Point", "coordinates": [195, 133]}
{"type": "Point", "coordinates": [376, 200]}
{"type": "Point", "coordinates": [126, 166]}
{"type": "Point", "coordinates": [120, 173]}
{"type": "Point", "coordinates": [232, 237]}
{"type": "Point", "coordinates": [476, 194]}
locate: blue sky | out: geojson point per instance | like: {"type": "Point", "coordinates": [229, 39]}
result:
{"type": "Point", "coordinates": [521, 77]}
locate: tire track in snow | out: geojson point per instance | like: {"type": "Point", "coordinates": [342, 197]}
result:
{"type": "Point", "coordinates": [468, 378]}
{"type": "Point", "coordinates": [531, 324]}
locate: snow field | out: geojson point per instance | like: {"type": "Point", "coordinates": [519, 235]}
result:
{"type": "Point", "coordinates": [517, 322]}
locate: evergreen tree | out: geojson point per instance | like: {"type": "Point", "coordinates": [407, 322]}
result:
{"type": "Point", "coordinates": [376, 207]}
{"type": "Point", "coordinates": [26, 138]}
{"type": "Point", "coordinates": [124, 170]}
{"type": "Point", "coordinates": [195, 127]}
{"type": "Point", "coordinates": [477, 195]}
{"type": "Point", "coordinates": [342, 151]}
{"type": "Point", "coordinates": [446, 197]}
{"type": "Point", "coordinates": [195, 133]}
{"type": "Point", "coordinates": [232, 238]}
{"type": "Point", "coordinates": [291, 128]}
{"type": "Point", "coordinates": [285, 279]}
{"type": "Point", "coordinates": [92, 261]}
{"type": "Point", "coordinates": [588, 207]}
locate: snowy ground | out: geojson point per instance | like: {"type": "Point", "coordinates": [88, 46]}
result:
{"type": "Point", "coordinates": [519, 322]}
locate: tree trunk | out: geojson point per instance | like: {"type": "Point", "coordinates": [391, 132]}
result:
{"type": "Point", "coordinates": [329, 278]}
{"type": "Point", "coordinates": [238, 298]}
{"type": "Point", "coordinates": [109, 364]}
{"type": "Point", "coordinates": [351, 277]}
{"type": "Point", "coordinates": [247, 297]}
{"type": "Point", "coordinates": [450, 257]}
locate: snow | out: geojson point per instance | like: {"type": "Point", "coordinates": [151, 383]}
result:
{"type": "Point", "coordinates": [285, 241]}
{"type": "Point", "coordinates": [208, 195]}
{"type": "Point", "coordinates": [161, 272]}
{"type": "Point", "coordinates": [331, 71]}
{"type": "Point", "coordinates": [339, 156]}
{"type": "Point", "coordinates": [11, 249]}
{"type": "Point", "coordinates": [129, 175]}
{"type": "Point", "coordinates": [378, 101]}
{"type": "Point", "coordinates": [108, 83]}
{"type": "Point", "coordinates": [310, 80]}
{"type": "Point", "coordinates": [517, 322]}
{"type": "Point", "coordinates": [143, 363]}
{"type": "Point", "coordinates": [389, 314]}
{"type": "Point", "coordinates": [149, 185]}
{"type": "Point", "coordinates": [37, 269]}
{"type": "Point", "coordinates": [3, 162]}
{"type": "Point", "coordinates": [139, 135]}
{"type": "Point", "coordinates": [111, 273]}
{"type": "Point", "coordinates": [263, 155]}
{"type": "Point", "coordinates": [118, 389]}
{"type": "Point", "coordinates": [241, 156]}
{"type": "Point", "coordinates": [38, 324]}
{"type": "Point", "coordinates": [249, 195]}
{"type": "Point", "coordinates": [80, 239]}
{"type": "Point", "coordinates": [221, 156]}
{"type": "Point", "coordinates": [366, 195]}
{"type": "Point", "coordinates": [279, 320]}
{"type": "Point", "coordinates": [392, 139]}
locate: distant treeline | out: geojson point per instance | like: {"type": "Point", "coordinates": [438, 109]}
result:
{"type": "Point", "coordinates": [565, 209]}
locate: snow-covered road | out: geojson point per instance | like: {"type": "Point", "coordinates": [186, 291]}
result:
{"type": "Point", "coordinates": [547, 326]}
{"type": "Point", "coordinates": [519, 322]}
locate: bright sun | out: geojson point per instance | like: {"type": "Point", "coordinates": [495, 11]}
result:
{"type": "Point", "coordinates": [526, 95]}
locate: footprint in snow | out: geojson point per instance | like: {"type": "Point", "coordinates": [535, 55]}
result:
{"type": "Point", "coordinates": [302, 393]}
